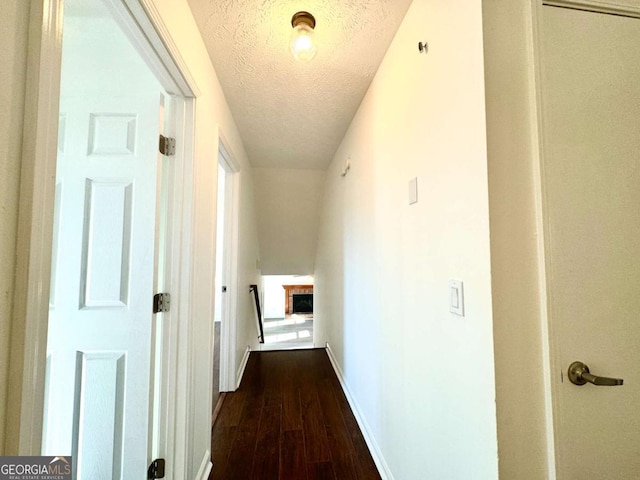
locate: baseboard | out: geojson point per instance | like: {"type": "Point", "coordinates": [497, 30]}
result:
{"type": "Point", "coordinates": [243, 365]}
{"type": "Point", "coordinates": [205, 467]}
{"type": "Point", "coordinates": [217, 408]}
{"type": "Point", "coordinates": [379, 460]}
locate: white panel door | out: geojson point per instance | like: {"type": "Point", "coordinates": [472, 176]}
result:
{"type": "Point", "coordinates": [99, 344]}
{"type": "Point", "coordinates": [591, 103]}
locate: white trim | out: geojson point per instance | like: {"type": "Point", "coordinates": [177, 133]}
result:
{"type": "Point", "coordinates": [235, 370]}
{"type": "Point", "coordinates": [183, 262]}
{"type": "Point", "coordinates": [597, 7]}
{"type": "Point", "coordinates": [243, 366]}
{"type": "Point", "coordinates": [125, 18]}
{"type": "Point", "coordinates": [171, 64]}
{"type": "Point", "coordinates": [230, 164]}
{"type": "Point", "coordinates": [226, 346]}
{"type": "Point", "coordinates": [374, 449]}
{"type": "Point", "coordinates": [160, 321]}
{"type": "Point", "coordinates": [174, 426]}
{"type": "Point", "coordinates": [35, 227]}
{"type": "Point", "coordinates": [184, 438]}
{"type": "Point", "coordinates": [538, 172]}
{"type": "Point", "coordinates": [229, 327]}
{"type": "Point", "coordinates": [205, 467]}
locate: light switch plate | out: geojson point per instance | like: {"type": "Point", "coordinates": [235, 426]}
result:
{"type": "Point", "coordinates": [413, 191]}
{"type": "Point", "coordinates": [456, 297]}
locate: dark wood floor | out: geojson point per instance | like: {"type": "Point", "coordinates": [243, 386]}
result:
{"type": "Point", "coordinates": [289, 420]}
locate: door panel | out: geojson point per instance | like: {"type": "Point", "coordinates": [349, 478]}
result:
{"type": "Point", "coordinates": [106, 252]}
{"type": "Point", "coordinates": [591, 182]}
{"type": "Point", "coordinates": [99, 343]}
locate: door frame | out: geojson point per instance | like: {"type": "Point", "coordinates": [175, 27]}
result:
{"type": "Point", "coordinates": [228, 328]}
{"type": "Point", "coordinates": [551, 356]}
{"type": "Point", "coordinates": [142, 23]}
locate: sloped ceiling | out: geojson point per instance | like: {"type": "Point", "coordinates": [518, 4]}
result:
{"type": "Point", "coordinates": [290, 114]}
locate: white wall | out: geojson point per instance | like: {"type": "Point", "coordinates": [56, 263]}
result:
{"type": "Point", "coordinates": [274, 304]}
{"type": "Point", "coordinates": [13, 38]}
{"type": "Point", "coordinates": [248, 267]}
{"type": "Point", "coordinates": [288, 209]}
{"type": "Point", "coordinates": [512, 152]}
{"type": "Point", "coordinates": [423, 378]}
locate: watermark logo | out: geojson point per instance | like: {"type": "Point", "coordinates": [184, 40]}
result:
{"type": "Point", "coordinates": [35, 468]}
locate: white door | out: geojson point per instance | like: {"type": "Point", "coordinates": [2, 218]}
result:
{"type": "Point", "coordinates": [100, 323]}
{"type": "Point", "coordinates": [591, 184]}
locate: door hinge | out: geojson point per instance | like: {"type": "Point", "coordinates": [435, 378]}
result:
{"type": "Point", "coordinates": [156, 469]}
{"type": "Point", "coordinates": [167, 146]}
{"type": "Point", "coordinates": [161, 302]}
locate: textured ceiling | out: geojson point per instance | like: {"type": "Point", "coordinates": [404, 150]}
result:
{"type": "Point", "coordinates": [290, 114]}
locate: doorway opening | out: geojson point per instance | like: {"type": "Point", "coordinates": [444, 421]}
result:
{"type": "Point", "coordinates": [103, 361]}
{"type": "Point", "coordinates": [288, 312]}
{"type": "Point", "coordinates": [221, 287]}
{"type": "Point", "coordinates": [226, 291]}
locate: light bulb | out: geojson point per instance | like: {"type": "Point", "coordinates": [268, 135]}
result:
{"type": "Point", "coordinates": [303, 47]}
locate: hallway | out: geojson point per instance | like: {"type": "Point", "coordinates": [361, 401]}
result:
{"type": "Point", "coordinates": [289, 420]}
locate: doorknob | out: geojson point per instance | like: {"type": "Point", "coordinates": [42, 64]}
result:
{"type": "Point", "coordinates": [579, 375]}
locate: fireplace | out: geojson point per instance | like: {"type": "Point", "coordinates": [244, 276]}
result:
{"type": "Point", "coordinates": [303, 303]}
{"type": "Point", "coordinates": [306, 298]}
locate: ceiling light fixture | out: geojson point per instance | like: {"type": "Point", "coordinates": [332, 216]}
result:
{"type": "Point", "coordinates": [302, 46]}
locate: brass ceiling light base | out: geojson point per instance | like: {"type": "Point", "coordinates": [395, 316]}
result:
{"type": "Point", "coordinates": [302, 45]}
{"type": "Point", "coordinates": [303, 17]}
